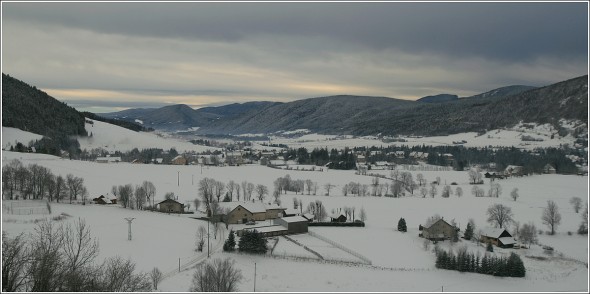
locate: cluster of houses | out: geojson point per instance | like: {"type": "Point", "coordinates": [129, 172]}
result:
{"type": "Point", "coordinates": [442, 230]}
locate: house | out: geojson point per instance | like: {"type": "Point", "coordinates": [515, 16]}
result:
{"type": "Point", "coordinates": [170, 205]}
{"type": "Point", "coordinates": [384, 165]}
{"type": "Point", "coordinates": [338, 218]}
{"type": "Point", "coordinates": [104, 200]}
{"type": "Point", "coordinates": [497, 236]}
{"type": "Point", "coordinates": [400, 154]}
{"type": "Point", "coordinates": [264, 160]}
{"type": "Point", "coordinates": [137, 161]}
{"type": "Point", "coordinates": [439, 230]}
{"type": "Point", "coordinates": [493, 176]}
{"type": "Point", "coordinates": [179, 160]}
{"type": "Point", "coordinates": [108, 159]}
{"type": "Point", "coordinates": [513, 170]}
{"type": "Point", "coordinates": [294, 224]}
{"type": "Point", "coordinates": [240, 213]}
{"type": "Point", "coordinates": [449, 158]}
{"type": "Point", "coordinates": [549, 169]}
{"type": "Point", "coordinates": [158, 160]}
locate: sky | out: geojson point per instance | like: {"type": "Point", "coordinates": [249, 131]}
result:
{"type": "Point", "coordinates": [104, 57]}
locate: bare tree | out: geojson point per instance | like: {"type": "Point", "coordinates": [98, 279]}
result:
{"type": "Point", "coordinates": [475, 177]}
{"type": "Point", "coordinates": [446, 192]}
{"type": "Point", "coordinates": [363, 214]}
{"type": "Point", "coordinates": [201, 233]}
{"type": "Point", "coordinates": [206, 191]}
{"type": "Point", "coordinates": [245, 189]}
{"type": "Point", "coordinates": [423, 192]}
{"type": "Point", "coordinates": [433, 191]}
{"type": "Point", "coordinates": [75, 185]}
{"type": "Point", "coordinates": [576, 202]}
{"type": "Point", "coordinates": [459, 192]}
{"type": "Point", "coordinates": [118, 275]}
{"type": "Point", "coordinates": [170, 195]}
{"type": "Point", "coordinates": [344, 190]}
{"type": "Point", "coordinates": [277, 196]}
{"type": "Point", "coordinates": [125, 195]}
{"type": "Point", "coordinates": [250, 190]}
{"type": "Point", "coordinates": [495, 190]}
{"type": "Point", "coordinates": [551, 216]}
{"type": "Point", "coordinates": [60, 188]}
{"type": "Point", "coordinates": [237, 188]}
{"type": "Point", "coordinates": [477, 191]}
{"type": "Point", "coordinates": [15, 256]}
{"type": "Point", "coordinates": [140, 197]}
{"type": "Point", "coordinates": [156, 277]}
{"type": "Point", "coordinates": [230, 189]}
{"type": "Point", "coordinates": [218, 276]}
{"type": "Point", "coordinates": [421, 180]}
{"type": "Point", "coordinates": [261, 190]}
{"type": "Point", "coordinates": [514, 194]}
{"type": "Point", "coordinates": [150, 191]}
{"type": "Point", "coordinates": [309, 186]}
{"type": "Point", "coordinates": [500, 215]}
{"type": "Point", "coordinates": [219, 188]}
{"type": "Point", "coordinates": [528, 234]}
{"type": "Point", "coordinates": [328, 187]}
{"type": "Point", "coordinates": [79, 251]}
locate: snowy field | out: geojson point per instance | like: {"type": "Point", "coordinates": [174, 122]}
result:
{"type": "Point", "coordinates": [11, 136]}
{"type": "Point", "coordinates": [399, 262]}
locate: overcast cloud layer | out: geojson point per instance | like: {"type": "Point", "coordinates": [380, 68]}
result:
{"type": "Point", "coordinates": [106, 56]}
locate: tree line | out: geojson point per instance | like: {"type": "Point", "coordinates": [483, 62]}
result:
{"type": "Point", "coordinates": [38, 182]}
{"type": "Point", "coordinates": [465, 261]}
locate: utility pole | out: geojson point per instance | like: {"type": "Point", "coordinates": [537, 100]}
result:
{"type": "Point", "coordinates": [208, 237]}
{"type": "Point", "coordinates": [129, 220]}
{"type": "Point", "coordinates": [255, 277]}
{"type": "Point", "coordinates": [178, 178]}
{"type": "Point", "coordinates": [179, 264]}
{"type": "Point", "coordinates": [193, 180]}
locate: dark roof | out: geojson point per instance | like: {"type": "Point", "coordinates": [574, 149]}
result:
{"type": "Point", "coordinates": [169, 201]}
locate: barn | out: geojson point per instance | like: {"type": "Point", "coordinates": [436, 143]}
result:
{"type": "Point", "coordinates": [497, 236]}
{"type": "Point", "coordinates": [294, 224]}
{"type": "Point", "coordinates": [170, 205]}
{"type": "Point", "coordinates": [439, 230]}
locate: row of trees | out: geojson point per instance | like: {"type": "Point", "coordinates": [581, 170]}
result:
{"type": "Point", "coordinates": [211, 190]}
{"type": "Point", "coordinates": [38, 182]}
{"type": "Point", "coordinates": [136, 198]}
{"type": "Point", "coordinates": [284, 184]}
{"type": "Point", "coordinates": [465, 261]}
{"type": "Point", "coordinates": [532, 161]}
{"type": "Point", "coordinates": [62, 258]}
{"type": "Point", "coordinates": [335, 159]}
{"type": "Point", "coordinates": [501, 216]}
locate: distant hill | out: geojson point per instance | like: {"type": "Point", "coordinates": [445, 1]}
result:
{"type": "Point", "coordinates": [182, 117]}
{"type": "Point", "coordinates": [27, 108]}
{"type": "Point", "coordinates": [365, 115]}
{"type": "Point", "coordinates": [438, 98]}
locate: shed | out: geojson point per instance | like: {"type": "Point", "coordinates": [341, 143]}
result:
{"type": "Point", "coordinates": [294, 224]}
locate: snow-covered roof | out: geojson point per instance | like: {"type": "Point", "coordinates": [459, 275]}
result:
{"type": "Point", "coordinates": [177, 157]}
{"type": "Point", "coordinates": [109, 159]}
{"type": "Point", "coordinates": [492, 232]}
{"type": "Point", "coordinates": [308, 216]}
{"type": "Point", "coordinates": [507, 240]}
{"type": "Point", "coordinates": [275, 228]}
{"type": "Point", "coordinates": [292, 211]}
{"type": "Point", "coordinates": [294, 219]}
{"type": "Point", "coordinates": [253, 207]}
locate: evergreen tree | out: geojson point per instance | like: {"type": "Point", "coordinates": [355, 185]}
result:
{"type": "Point", "coordinates": [401, 225]}
{"type": "Point", "coordinates": [252, 242]}
{"type": "Point", "coordinates": [468, 232]}
{"type": "Point", "coordinates": [230, 243]}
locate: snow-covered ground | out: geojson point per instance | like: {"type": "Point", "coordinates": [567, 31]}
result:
{"type": "Point", "coordinates": [12, 136]}
{"type": "Point", "coordinates": [399, 261]}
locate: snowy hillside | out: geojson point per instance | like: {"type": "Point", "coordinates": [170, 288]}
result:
{"type": "Point", "coordinates": [399, 263]}
{"type": "Point", "coordinates": [11, 136]}
{"type": "Point", "coordinates": [115, 138]}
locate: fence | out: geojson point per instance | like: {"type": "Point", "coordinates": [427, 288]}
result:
{"type": "Point", "coordinates": [356, 254]}
{"type": "Point", "coordinates": [26, 207]}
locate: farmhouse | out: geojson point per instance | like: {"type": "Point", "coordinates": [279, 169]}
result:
{"type": "Point", "coordinates": [513, 170]}
{"type": "Point", "coordinates": [497, 236]}
{"type": "Point", "coordinates": [104, 200]}
{"type": "Point", "coordinates": [240, 213]}
{"type": "Point", "coordinates": [170, 205]}
{"type": "Point", "coordinates": [308, 216]}
{"type": "Point", "coordinates": [234, 158]}
{"type": "Point", "coordinates": [291, 212]}
{"type": "Point", "coordinates": [439, 230]}
{"type": "Point", "coordinates": [179, 160]}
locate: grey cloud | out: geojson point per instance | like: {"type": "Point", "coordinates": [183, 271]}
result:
{"type": "Point", "coordinates": [504, 31]}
